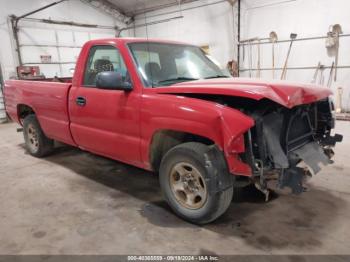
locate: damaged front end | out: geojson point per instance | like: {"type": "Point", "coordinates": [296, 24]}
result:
{"type": "Point", "coordinates": [288, 146]}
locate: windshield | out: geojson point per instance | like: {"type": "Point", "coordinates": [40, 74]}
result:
{"type": "Point", "coordinates": [162, 64]}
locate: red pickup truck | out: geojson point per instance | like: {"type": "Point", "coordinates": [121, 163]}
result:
{"type": "Point", "coordinates": [167, 107]}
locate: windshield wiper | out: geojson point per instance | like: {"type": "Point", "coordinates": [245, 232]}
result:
{"type": "Point", "coordinates": [178, 79]}
{"type": "Point", "coordinates": [216, 76]}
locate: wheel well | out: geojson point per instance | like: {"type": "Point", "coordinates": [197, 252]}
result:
{"type": "Point", "coordinates": [164, 140]}
{"type": "Point", "coordinates": [23, 111]}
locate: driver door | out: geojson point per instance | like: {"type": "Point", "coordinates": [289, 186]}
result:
{"type": "Point", "coordinates": [103, 121]}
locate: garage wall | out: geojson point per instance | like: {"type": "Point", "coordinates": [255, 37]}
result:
{"type": "Point", "coordinates": [207, 25]}
{"type": "Point", "coordinates": [213, 25]}
{"type": "Point", "coordinates": [38, 33]}
{"type": "Point", "coordinates": [307, 18]}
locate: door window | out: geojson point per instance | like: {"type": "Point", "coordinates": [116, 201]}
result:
{"type": "Point", "coordinates": [102, 59]}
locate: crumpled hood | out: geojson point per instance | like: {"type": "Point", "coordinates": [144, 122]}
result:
{"type": "Point", "coordinates": [285, 93]}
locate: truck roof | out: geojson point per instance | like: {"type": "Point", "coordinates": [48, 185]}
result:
{"type": "Point", "coordinates": [135, 40]}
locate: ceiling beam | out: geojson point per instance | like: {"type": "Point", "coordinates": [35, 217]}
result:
{"type": "Point", "coordinates": [110, 9]}
{"type": "Point", "coordinates": [157, 7]}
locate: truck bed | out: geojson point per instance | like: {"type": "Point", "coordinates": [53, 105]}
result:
{"type": "Point", "coordinates": [49, 100]}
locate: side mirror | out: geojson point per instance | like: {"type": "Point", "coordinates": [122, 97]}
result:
{"type": "Point", "coordinates": [112, 80]}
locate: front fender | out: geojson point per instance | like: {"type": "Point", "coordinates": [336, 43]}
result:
{"type": "Point", "coordinates": [234, 125]}
{"type": "Point", "coordinates": [223, 125]}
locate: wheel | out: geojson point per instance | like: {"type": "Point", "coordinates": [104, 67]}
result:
{"type": "Point", "coordinates": [37, 144]}
{"type": "Point", "coordinates": [195, 182]}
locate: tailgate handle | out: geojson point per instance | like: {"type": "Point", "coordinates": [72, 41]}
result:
{"type": "Point", "coordinates": [80, 101]}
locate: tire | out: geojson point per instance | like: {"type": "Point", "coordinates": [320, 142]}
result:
{"type": "Point", "coordinates": [190, 181]}
{"type": "Point", "coordinates": [37, 144]}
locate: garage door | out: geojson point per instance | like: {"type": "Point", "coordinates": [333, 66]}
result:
{"type": "Point", "coordinates": [55, 49]}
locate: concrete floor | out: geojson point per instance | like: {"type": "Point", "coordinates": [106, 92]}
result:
{"type": "Point", "coordinates": [74, 202]}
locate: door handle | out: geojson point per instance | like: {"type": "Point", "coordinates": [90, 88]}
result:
{"type": "Point", "coordinates": [80, 101]}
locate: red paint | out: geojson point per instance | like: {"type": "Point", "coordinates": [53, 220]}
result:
{"type": "Point", "coordinates": [120, 125]}
{"type": "Point", "coordinates": [284, 93]}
